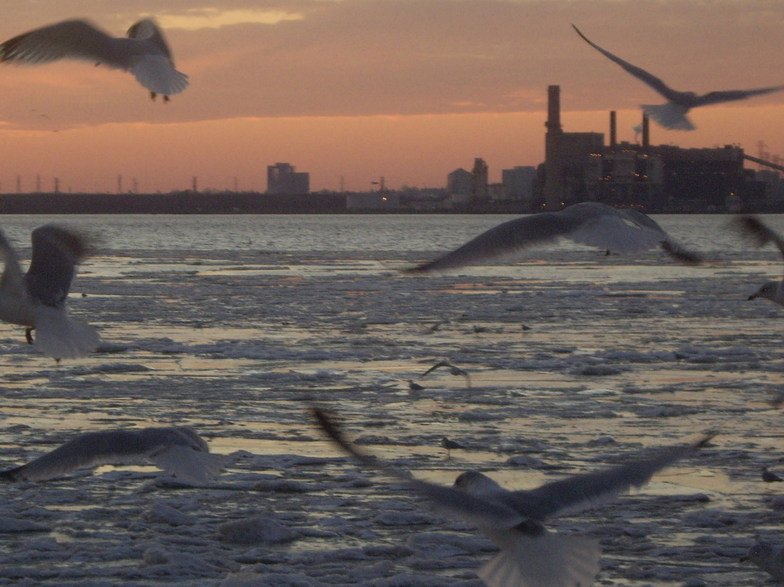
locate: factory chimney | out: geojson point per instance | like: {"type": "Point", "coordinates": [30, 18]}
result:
{"type": "Point", "coordinates": [553, 185]}
{"type": "Point", "coordinates": [646, 133]}
{"type": "Point", "coordinates": [613, 130]}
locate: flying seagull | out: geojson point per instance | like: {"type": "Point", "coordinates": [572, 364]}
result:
{"type": "Point", "coordinates": [759, 234]}
{"type": "Point", "coordinates": [178, 450]}
{"type": "Point", "coordinates": [673, 114]}
{"type": "Point", "coordinates": [144, 52]}
{"type": "Point", "coordinates": [37, 299]}
{"type": "Point", "coordinates": [514, 520]}
{"type": "Point", "coordinates": [588, 223]}
{"type": "Point", "coordinates": [453, 370]}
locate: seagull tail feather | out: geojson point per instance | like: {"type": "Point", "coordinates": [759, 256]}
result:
{"type": "Point", "coordinates": [547, 560]}
{"type": "Point", "coordinates": [60, 337]}
{"type": "Point", "coordinates": [669, 115]}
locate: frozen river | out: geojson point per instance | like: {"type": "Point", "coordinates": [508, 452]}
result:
{"type": "Point", "coordinates": [235, 324]}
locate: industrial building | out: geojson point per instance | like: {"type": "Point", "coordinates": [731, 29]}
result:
{"type": "Point", "coordinates": [580, 167]}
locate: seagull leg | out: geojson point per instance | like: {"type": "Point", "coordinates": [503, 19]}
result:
{"type": "Point", "coordinates": [29, 335]}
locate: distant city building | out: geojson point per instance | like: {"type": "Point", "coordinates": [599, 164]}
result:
{"type": "Point", "coordinates": [458, 185]}
{"type": "Point", "coordinates": [519, 182]}
{"type": "Point", "coordinates": [282, 178]}
{"type": "Point", "coordinates": [479, 176]}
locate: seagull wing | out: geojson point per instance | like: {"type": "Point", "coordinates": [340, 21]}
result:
{"type": "Point", "coordinates": [56, 251]}
{"type": "Point", "coordinates": [92, 449]}
{"type": "Point", "coordinates": [12, 285]}
{"type": "Point", "coordinates": [504, 240]}
{"type": "Point", "coordinates": [730, 95]}
{"type": "Point", "coordinates": [527, 558]}
{"type": "Point", "coordinates": [70, 39]}
{"type": "Point", "coordinates": [580, 492]}
{"type": "Point", "coordinates": [83, 452]}
{"type": "Point", "coordinates": [484, 513]}
{"type": "Point", "coordinates": [637, 72]}
{"type": "Point", "coordinates": [755, 231]}
{"type": "Point", "coordinates": [145, 53]}
{"type": "Point", "coordinates": [589, 223]}
{"type": "Point", "coordinates": [434, 367]}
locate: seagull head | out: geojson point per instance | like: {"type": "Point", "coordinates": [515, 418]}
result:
{"type": "Point", "coordinates": [759, 552]}
{"type": "Point", "coordinates": [476, 483]}
{"type": "Point", "coordinates": [769, 291]}
{"type": "Point", "coordinates": [142, 29]}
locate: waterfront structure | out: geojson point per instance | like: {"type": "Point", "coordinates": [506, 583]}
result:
{"type": "Point", "coordinates": [283, 178]}
{"type": "Point", "coordinates": [580, 167]}
{"type": "Point", "coordinates": [519, 182]}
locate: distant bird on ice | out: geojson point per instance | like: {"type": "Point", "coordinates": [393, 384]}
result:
{"type": "Point", "coordinates": [178, 450]}
{"type": "Point", "coordinates": [673, 114]}
{"type": "Point", "coordinates": [144, 53]}
{"type": "Point", "coordinates": [588, 223]}
{"type": "Point", "coordinates": [530, 555]}
{"type": "Point", "coordinates": [37, 299]}
{"type": "Point", "coordinates": [758, 233]}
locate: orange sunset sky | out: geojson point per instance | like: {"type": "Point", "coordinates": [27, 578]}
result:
{"type": "Point", "coordinates": [352, 90]}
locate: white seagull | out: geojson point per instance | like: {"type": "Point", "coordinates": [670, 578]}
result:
{"type": "Point", "coordinates": [37, 300]}
{"type": "Point", "coordinates": [588, 223]}
{"type": "Point", "coordinates": [178, 450]}
{"type": "Point", "coordinates": [514, 520]}
{"type": "Point", "coordinates": [673, 114]}
{"type": "Point", "coordinates": [758, 233]}
{"type": "Point", "coordinates": [144, 52]}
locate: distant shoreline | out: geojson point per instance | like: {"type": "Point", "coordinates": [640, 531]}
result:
{"type": "Point", "coordinates": [189, 202]}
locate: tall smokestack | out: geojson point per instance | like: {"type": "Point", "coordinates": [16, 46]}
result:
{"type": "Point", "coordinates": [646, 132]}
{"type": "Point", "coordinates": [552, 150]}
{"type": "Point", "coordinates": [613, 129]}
{"type": "Point", "coordinates": [553, 123]}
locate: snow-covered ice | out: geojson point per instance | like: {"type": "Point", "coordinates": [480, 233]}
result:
{"type": "Point", "coordinates": [226, 325]}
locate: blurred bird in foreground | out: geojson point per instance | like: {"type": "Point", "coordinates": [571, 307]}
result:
{"type": "Point", "coordinates": [178, 450]}
{"type": "Point", "coordinates": [514, 520]}
{"type": "Point", "coordinates": [672, 115]}
{"type": "Point", "coordinates": [756, 232]}
{"type": "Point", "coordinates": [768, 557]}
{"type": "Point", "coordinates": [144, 53]}
{"type": "Point", "coordinates": [37, 299]}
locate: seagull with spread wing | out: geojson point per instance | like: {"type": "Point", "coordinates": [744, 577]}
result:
{"type": "Point", "coordinates": [178, 450]}
{"type": "Point", "coordinates": [144, 52]}
{"type": "Point", "coordinates": [673, 114]}
{"type": "Point", "coordinates": [588, 223]}
{"type": "Point", "coordinates": [514, 520]}
{"type": "Point", "coordinates": [37, 299]}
